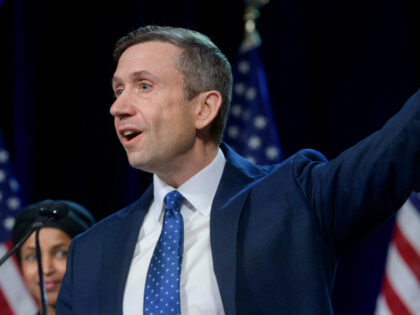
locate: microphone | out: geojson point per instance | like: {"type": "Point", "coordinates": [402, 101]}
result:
{"type": "Point", "coordinates": [50, 212]}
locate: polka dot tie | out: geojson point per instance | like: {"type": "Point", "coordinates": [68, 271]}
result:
{"type": "Point", "coordinates": [161, 294]}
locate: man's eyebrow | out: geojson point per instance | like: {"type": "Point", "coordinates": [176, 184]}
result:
{"type": "Point", "coordinates": [141, 73]}
{"type": "Point", "coordinates": [133, 76]}
{"type": "Point", "coordinates": [115, 80]}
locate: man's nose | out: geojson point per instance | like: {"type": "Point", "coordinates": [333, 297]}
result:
{"type": "Point", "coordinates": [122, 106]}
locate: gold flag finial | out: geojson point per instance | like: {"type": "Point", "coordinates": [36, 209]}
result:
{"type": "Point", "coordinates": [252, 38]}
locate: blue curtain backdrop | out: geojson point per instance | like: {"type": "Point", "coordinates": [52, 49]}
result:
{"type": "Point", "coordinates": [336, 70]}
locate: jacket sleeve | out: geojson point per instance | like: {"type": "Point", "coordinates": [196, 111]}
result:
{"type": "Point", "coordinates": [354, 193]}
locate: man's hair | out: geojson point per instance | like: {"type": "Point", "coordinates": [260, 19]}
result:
{"type": "Point", "coordinates": [203, 66]}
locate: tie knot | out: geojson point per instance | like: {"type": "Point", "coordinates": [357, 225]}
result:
{"type": "Point", "coordinates": [173, 200]}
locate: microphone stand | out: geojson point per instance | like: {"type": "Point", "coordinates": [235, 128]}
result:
{"type": "Point", "coordinates": [43, 293]}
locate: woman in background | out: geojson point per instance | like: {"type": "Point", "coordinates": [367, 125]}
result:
{"type": "Point", "coordinates": [54, 240]}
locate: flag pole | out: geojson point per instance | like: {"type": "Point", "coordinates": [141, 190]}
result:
{"type": "Point", "coordinates": [251, 129]}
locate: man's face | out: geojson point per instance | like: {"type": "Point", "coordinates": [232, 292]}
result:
{"type": "Point", "coordinates": [153, 120]}
{"type": "Point", "coordinates": [54, 245]}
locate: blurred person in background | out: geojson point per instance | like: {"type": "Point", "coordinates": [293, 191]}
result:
{"type": "Point", "coordinates": [54, 240]}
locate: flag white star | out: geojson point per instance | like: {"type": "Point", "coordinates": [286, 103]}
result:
{"type": "Point", "coordinates": [8, 223]}
{"type": "Point", "coordinates": [13, 203]}
{"type": "Point", "coordinates": [271, 153]}
{"type": "Point", "coordinates": [4, 156]}
{"type": "Point", "coordinates": [2, 176]}
{"type": "Point", "coordinates": [260, 122]}
{"type": "Point", "coordinates": [239, 88]}
{"type": "Point", "coordinates": [14, 185]}
{"type": "Point", "coordinates": [233, 131]}
{"type": "Point", "coordinates": [250, 94]}
{"type": "Point", "coordinates": [236, 110]}
{"type": "Point", "coordinates": [254, 142]}
{"type": "Point", "coordinates": [243, 67]}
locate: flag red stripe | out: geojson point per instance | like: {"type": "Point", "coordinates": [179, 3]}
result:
{"type": "Point", "coordinates": [392, 299]}
{"type": "Point", "coordinates": [9, 246]}
{"type": "Point", "coordinates": [407, 252]}
{"type": "Point", "coordinates": [4, 305]}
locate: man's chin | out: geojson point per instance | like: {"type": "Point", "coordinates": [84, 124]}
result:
{"type": "Point", "coordinates": [139, 164]}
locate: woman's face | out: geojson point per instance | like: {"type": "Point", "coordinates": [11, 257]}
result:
{"type": "Point", "coordinates": [54, 244]}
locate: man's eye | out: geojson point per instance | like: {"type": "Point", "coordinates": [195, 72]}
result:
{"type": "Point", "coordinates": [144, 86]}
{"type": "Point", "coordinates": [118, 92]}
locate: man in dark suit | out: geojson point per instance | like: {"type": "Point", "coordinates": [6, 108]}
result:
{"type": "Point", "coordinates": [253, 240]}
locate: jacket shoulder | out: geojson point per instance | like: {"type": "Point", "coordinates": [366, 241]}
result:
{"type": "Point", "coordinates": [100, 227]}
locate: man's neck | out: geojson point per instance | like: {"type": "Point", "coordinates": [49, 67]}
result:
{"type": "Point", "coordinates": [189, 166]}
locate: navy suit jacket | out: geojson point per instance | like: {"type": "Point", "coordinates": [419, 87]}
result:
{"type": "Point", "coordinates": [276, 231]}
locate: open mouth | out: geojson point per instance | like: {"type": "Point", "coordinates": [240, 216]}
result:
{"type": "Point", "coordinates": [130, 134]}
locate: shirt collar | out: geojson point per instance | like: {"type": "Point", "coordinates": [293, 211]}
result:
{"type": "Point", "coordinates": [199, 190]}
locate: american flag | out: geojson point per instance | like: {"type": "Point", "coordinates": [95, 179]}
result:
{"type": "Point", "coordinates": [14, 297]}
{"type": "Point", "coordinates": [251, 130]}
{"type": "Point", "coordinates": [400, 293]}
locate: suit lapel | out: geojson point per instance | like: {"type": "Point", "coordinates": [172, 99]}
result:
{"type": "Point", "coordinates": [121, 236]}
{"type": "Point", "coordinates": [119, 242]}
{"type": "Point", "coordinates": [228, 203]}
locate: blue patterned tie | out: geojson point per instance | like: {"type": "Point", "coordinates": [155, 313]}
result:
{"type": "Point", "coordinates": [161, 294]}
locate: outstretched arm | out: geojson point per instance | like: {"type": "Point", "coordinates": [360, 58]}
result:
{"type": "Point", "coordinates": [354, 193]}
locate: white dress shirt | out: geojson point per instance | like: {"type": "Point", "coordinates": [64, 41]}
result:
{"type": "Point", "coordinates": [199, 292]}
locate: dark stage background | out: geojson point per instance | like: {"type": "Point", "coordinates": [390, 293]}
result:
{"type": "Point", "coordinates": [337, 70]}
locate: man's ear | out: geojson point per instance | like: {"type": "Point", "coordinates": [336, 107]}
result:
{"type": "Point", "coordinates": [210, 102]}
